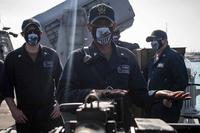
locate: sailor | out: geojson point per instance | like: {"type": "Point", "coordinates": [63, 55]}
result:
{"type": "Point", "coordinates": [102, 65]}
{"type": "Point", "coordinates": [103, 68]}
{"type": "Point", "coordinates": [166, 71]}
{"type": "Point", "coordinates": [32, 71]}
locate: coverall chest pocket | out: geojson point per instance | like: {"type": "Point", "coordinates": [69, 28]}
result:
{"type": "Point", "coordinates": [47, 68]}
{"type": "Point", "coordinates": [122, 76]}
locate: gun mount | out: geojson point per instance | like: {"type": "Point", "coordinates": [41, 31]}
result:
{"type": "Point", "coordinates": [90, 117]}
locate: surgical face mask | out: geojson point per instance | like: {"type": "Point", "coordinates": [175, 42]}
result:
{"type": "Point", "coordinates": [33, 39]}
{"type": "Point", "coordinates": [155, 45]}
{"type": "Point", "coordinates": [103, 35]}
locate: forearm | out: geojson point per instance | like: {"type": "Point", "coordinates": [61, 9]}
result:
{"type": "Point", "coordinates": [17, 114]}
{"type": "Point", "coordinates": [11, 103]}
{"type": "Point", "coordinates": [180, 75]}
{"type": "Point", "coordinates": [70, 94]}
{"type": "Point", "coordinates": [76, 95]}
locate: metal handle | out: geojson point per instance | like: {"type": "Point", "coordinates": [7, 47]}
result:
{"type": "Point", "coordinates": [91, 96]}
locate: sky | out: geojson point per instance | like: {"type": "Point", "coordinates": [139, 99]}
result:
{"type": "Point", "coordinates": [179, 18]}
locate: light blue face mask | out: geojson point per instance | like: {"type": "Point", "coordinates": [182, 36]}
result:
{"type": "Point", "coordinates": [103, 35]}
{"type": "Point", "coordinates": [155, 45]}
{"type": "Point", "coordinates": [33, 39]}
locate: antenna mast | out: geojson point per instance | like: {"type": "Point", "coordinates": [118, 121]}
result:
{"type": "Point", "coordinates": [166, 27]}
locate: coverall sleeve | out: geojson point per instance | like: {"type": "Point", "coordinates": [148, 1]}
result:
{"type": "Point", "coordinates": [69, 87]}
{"type": "Point", "coordinates": [8, 77]}
{"type": "Point", "coordinates": [1, 73]}
{"type": "Point", "coordinates": [57, 69]}
{"type": "Point", "coordinates": [179, 71]}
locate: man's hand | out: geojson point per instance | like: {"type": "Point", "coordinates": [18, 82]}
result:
{"type": "Point", "coordinates": [112, 94]}
{"type": "Point", "coordinates": [18, 115]}
{"type": "Point", "coordinates": [56, 111]}
{"type": "Point", "coordinates": [97, 94]}
{"type": "Point", "coordinates": [172, 95]}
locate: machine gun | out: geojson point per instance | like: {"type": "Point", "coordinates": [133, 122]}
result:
{"type": "Point", "coordinates": [97, 116]}
{"type": "Point", "coordinates": [103, 117]}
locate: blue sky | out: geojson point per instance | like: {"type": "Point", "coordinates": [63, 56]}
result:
{"type": "Point", "coordinates": [181, 17]}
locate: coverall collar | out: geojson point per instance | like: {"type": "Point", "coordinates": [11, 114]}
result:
{"type": "Point", "coordinates": [95, 51]}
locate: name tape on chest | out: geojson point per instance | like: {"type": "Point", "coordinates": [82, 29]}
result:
{"type": "Point", "coordinates": [48, 64]}
{"type": "Point", "coordinates": [123, 69]}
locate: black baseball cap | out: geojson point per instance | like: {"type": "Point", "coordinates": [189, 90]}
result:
{"type": "Point", "coordinates": [29, 22]}
{"type": "Point", "coordinates": [101, 11]}
{"type": "Point", "coordinates": [157, 35]}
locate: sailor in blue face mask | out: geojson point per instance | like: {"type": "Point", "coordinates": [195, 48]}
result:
{"type": "Point", "coordinates": [101, 66]}
{"type": "Point", "coordinates": [32, 33]}
{"type": "Point", "coordinates": [166, 71]}
{"type": "Point", "coordinates": [32, 71]}
{"type": "Point", "coordinates": [104, 68]}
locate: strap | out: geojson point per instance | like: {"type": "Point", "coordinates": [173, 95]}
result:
{"type": "Point", "coordinates": [87, 57]}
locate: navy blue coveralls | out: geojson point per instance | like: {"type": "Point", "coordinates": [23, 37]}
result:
{"type": "Point", "coordinates": [121, 71]}
{"type": "Point", "coordinates": [168, 72]}
{"type": "Point", "coordinates": [1, 73]}
{"type": "Point", "coordinates": [34, 84]}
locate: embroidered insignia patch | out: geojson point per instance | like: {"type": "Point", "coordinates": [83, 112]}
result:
{"type": "Point", "coordinates": [102, 10]}
{"type": "Point", "coordinates": [48, 64]}
{"type": "Point", "coordinates": [123, 69]}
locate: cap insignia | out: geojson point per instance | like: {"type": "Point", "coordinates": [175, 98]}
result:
{"type": "Point", "coordinates": [102, 10]}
